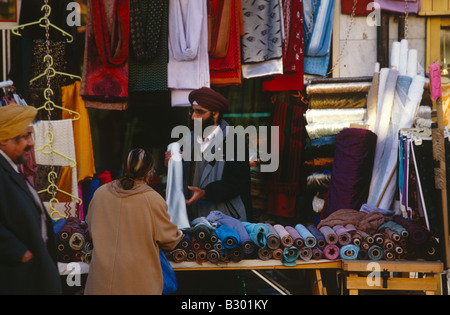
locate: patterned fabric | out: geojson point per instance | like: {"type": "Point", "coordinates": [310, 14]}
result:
{"type": "Point", "coordinates": [146, 19]}
{"type": "Point", "coordinates": [150, 74]}
{"type": "Point", "coordinates": [262, 26]}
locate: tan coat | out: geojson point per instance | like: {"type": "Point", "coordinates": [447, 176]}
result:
{"type": "Point", "coordinates": [127, 226]}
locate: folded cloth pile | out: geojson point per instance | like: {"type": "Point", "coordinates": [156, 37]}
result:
{"type": "Point", "coordinates": [345, 234]}
{"type": "Point", "coordinates": [72, 240]}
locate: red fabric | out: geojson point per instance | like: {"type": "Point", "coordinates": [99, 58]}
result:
{"type": "Point", "coordinates": [293, 51]}
{"type": "Point", "coordinates": [227, 71]}
{"type": "Point", "coordinates": [361, 7]}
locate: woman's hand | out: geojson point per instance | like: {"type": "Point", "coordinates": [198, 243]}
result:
{"type": "Point", "coordinates": [197, 195]}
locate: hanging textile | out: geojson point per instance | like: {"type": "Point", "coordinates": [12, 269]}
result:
{"type": "Point", "coordinates": [262, 43]}
{"type": "Point", "coordinates": [188, 66]}
{"type": "Point", "coordinates": [362, 8]}
{"type": "Point", "coordinates": [174, 191]}
{"type": "Point", "coordinates": [398, 101]}
{"type": "Point", "coordinates": [148, 51]}
{"type": "Point", "coordinates": [318, 23]}
{"type": "Point", "coordinates": [227, 70]}
{"type": "Point", "coordinates": [352, 169]}
{"type": "Point", "coordinates": [399, 5]}
{"type": "Point", "coordinates": [84, 152]}
{"type": "Point", "coordinates": [105, 65]}
{"type": "Point", "coordinates": [284, 184]}
{"type": "Point", "coordinates": [293, 50]}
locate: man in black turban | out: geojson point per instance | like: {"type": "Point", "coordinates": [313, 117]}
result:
{"type": "Point", "coordinates": [219, 183]}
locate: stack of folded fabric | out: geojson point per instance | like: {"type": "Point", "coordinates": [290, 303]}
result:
{"type": "Point", "coordinates": [346, 234]}
{"type": "Point", "coordinates": [73, 241]}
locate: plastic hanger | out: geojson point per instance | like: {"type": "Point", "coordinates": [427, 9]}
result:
{"type": "Point", "coordinates": [49, 105]}
{"type": "Point", "coordinates": [51, 72]}
{"type": "Point", "coordinates": [43, 22]}
{"type": "Point", "coordinates": [48, 145]}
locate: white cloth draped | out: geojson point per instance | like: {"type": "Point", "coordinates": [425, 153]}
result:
{"type": "Point", "coordinates": [188, 66]}
{"type": "Point", "coordinates": [175, 199]}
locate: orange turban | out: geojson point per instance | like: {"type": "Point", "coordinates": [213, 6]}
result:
{"type": "Point", "coordinates": [14, 119]}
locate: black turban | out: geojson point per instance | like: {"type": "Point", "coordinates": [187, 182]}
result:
{"type": "Point", "coordinates": [209, 99]}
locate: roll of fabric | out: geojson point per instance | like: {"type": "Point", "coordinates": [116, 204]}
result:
{"type": "Point", "coordinates": [389, 254]}
{"type": "Point", "coordinates": [388, 244]}
{"type": "Point", "coordinates": [264, 253]}
{"type": "Point", "coordinates": [236, 254]}
{"type": "Point", "coordinates": [331, 252]}
{"type": "Point", "coordinates": [338, 88]}
{"type": "Point", "coordinates": [285, 238]}
{"type": "Point", "coordinates": [228, 236]}
{"type": "Point", "coordinates": [201, 232]}
{"type": "Point", "coordinates": [306, 253]}
{"type": "Point", "coordinates": [338, 100]}
{"type": "Point", "coordinates": [273, 239]}
{"type": "Point", "coordinates": [318, 182]}
{"type": "Point", "coordinates": [320, 238]}
{"type": "Point", "coordinates": [201, 256]}
{"type": "Point", "coordinates": [258, 233]}
{"type": "Point", "coordinates": [378, 238]}
{"type": "Point", "coordinates": [321, 147]}
{"type": "Point", "coordinates": [344, 237]}
{"type": "Point", "coordinates": [365, 245]}
{"type": "Point", "coordinates": [390, 234]}
{"type": "Point", "coordinates": [394, 226]}
{"type": "Point", "coordinates": [224, 257]}
{"type": "Point", "coordinates": [218, 246]}
{"type": "Point", "coordinates": [363, 254]}
{"type": "Point", "coordinates": [290, 255]}
{"type": "Point", "coordinates": [349, 251]}
{"type": "Point", "coordinates": [356, 238]}
{"type": "Point", "coordinates": [196, 244]}
{"type": "Point", "coordinates": [317, 253]}
{"type": "Point", "coordinates": [191, 255]}
{"type": "Point", "coordinates": [352, 169]}
{"type": "Point", "coordinates": [213, 256]}
{"type": "Point", "coordinates": [375, 252]}
{"type": "Point", "coordinates": [366, 237]}
{"type": "Point", "coordinates": [277, 253]}
{"type": "Point", "coordinates": [185, 242]}
{"type": "Point", "coordinates": [319, 130]}
{"type": "Point", "coordinates": [297, 239]}
{"type": "Point", "coordinates": [77, 241]}
{"type": "Point", "coordinates": [308, 237]}
{"type": "Point", "coordinates": [313, 116]}
{"type": "Point", "coordinates": [179, 255]}
{"type": "Point", "coordinates": [329, 234]}
{"type": "Point", "coordinates": [244, 238]}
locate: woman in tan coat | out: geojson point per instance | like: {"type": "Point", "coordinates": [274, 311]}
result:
{"type": "Point", "coordinates": [128, 222]}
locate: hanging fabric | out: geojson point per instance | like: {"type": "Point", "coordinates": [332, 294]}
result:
{"type": "Point", "coordinates": [105, 65]}
{"type": "Point", "coordinates": [318, 22]}
{"type": "Point", "coordinates": [262, 43]}
{"type": "Point", "coordinates": [219, 23]}
{"type": "Point", "coordinates": [293, 50]}
{"type": "Point", "coordinates": [398, 6]}
{"type": "Point", "coordinates": [148, 66]}
{"type": "Point", "coordinates": [227, 70]}
{"type": "Point", "coordinates": [188, 66]}
{"type": "Point", "coordinates": [362, 7]}
{"type": "Point", "coordinates": [71, 99]}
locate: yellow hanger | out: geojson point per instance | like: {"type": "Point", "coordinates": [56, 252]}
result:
{"type": "Point", "coordinates": [49, 105]}
{"type": "Point", "coordinates": [51, 72]}
{"type": "Point", "coordinates": [49, 146]}
{"type": "Point", "coordinates": [46, 23]}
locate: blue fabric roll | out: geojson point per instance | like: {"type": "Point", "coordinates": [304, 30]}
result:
{"type": "Point", "coordinates": [245, 242]}
{"type": "Point", "coordinates": [349, 251]}
{"type": "Point", "coordinates": [376, 252]}
{"type": "Point", "coordinates": [308, 237]}
{"type": "Point", "coordinates": [290, 255]}
{"type": "Point", "coordinates": [258, 233]}
{"type": "Point", "coordinates": [228, 236]}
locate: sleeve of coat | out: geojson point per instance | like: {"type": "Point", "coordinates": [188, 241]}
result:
{"type": "Point", "coordinates": [167, 234]}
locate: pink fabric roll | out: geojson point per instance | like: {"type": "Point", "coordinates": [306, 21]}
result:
{"type": "Point", "coordinates": [331, 252]}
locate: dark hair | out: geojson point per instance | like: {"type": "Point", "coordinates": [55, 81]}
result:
{"type": "Point", "coordinates": [137, 165]}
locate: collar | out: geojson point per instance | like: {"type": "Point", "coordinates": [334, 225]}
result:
{"type": "Point", "coordinates": [14, 165]}
{"type": "Point", "coordinates": [210, 137]}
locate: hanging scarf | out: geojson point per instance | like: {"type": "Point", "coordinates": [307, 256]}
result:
{"type": "Point", "coordinates": [112, 43]}
{"type": "Point", "coordinates": [219, 19]}
{"type": "Point", "coordinates": [145, 28]}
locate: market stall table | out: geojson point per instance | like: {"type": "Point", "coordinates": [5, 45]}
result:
{"type": "Point", "coordinates": [391, 275]}
{"type": "Point", "coordinates": [255, 264]}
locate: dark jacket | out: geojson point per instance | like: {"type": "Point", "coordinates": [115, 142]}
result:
{"type": "Point", "coordinates": [226, 182]}
{"type": "Point", "coordinates": [20, 229]}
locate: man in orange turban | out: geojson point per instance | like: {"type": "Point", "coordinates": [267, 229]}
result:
{"type": "Point", "coordinates": [27, 242]}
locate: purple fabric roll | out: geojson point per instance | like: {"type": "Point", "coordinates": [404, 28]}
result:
{"type": "Point", "coordinates": [298, 240]}
{"type": "Point", "coordinates": [352, 170]}
{"type": "Point", "coordinates": [321, 241]}
{"type": "Point", "coordinates": [344, 237]}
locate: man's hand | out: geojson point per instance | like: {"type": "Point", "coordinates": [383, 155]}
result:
{"type": "Point", "coordinates": [27, 256]}
{"type": "Point", "coordinates": [197, 195]}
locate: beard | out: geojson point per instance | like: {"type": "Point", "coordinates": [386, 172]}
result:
{"type": "Point", "coordinates": [23, 158]}
{"type": "Point", "coordinates": [197, 124]}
